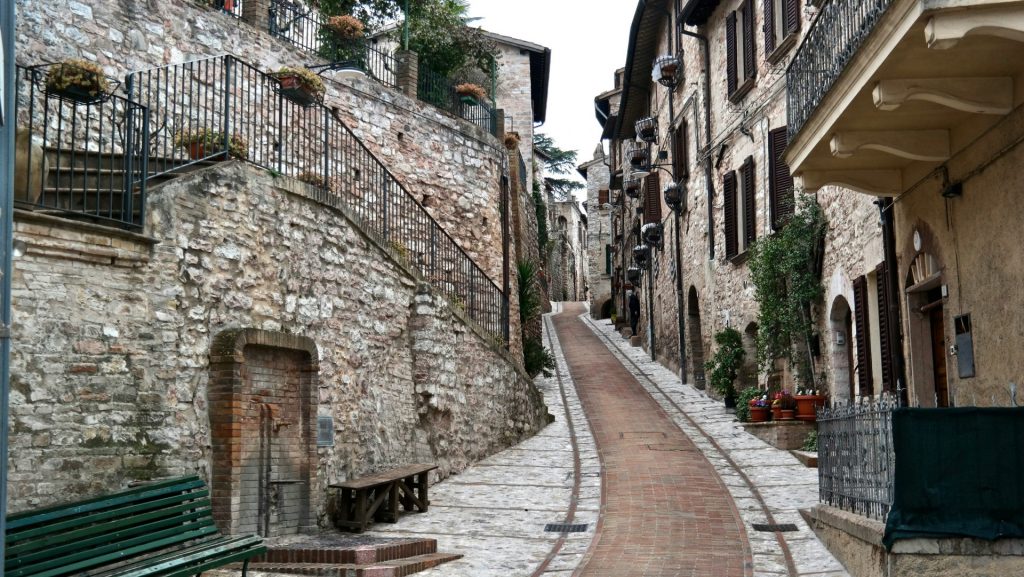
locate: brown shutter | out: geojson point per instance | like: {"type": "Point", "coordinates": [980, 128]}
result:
{"type": "Point", "coordinates": [792, 16]}
{"type": "Point", "coordinates": [602, 196]}
{"type": "Point", "coordinates": [680, 163]}
{"type": "Point", "coordinates": [780, 185]}
{"type": "Point", "coordinates": [860, 315]}
{"type": "Point", "coordinates": [729, 193]}
{"type": "Point", "coordinates": [769, 26]}
{"type": "Point", "coordinates": [730, 51]}
{"type": "Point", "coordinates": [749, 66]}
{"type": "Point", "coordinates": [884, 326]}
{"type": "Point", "coordinates": [652, 200]}
{"type": "Point", "coordinates": [749, 202]}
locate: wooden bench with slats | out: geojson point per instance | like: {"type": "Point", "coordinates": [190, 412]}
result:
{"type": "Point", "coordinates": [361, 499]}
{"type": "Point", "coordinates": [163, 529]}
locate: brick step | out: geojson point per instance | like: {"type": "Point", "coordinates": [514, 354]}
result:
{"type": "Point", "coordinates": [394, 568]}
{"type": "Point", "coordinates": [356, 554]}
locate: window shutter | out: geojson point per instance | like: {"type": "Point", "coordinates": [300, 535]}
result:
{"type": "Point", "coordinates": [602, 196]}
{"type": "Point", "coordinates": [680, 162]}
{"type": "Point", "coordinates": [792, 16]}
{"type": "Point", "coordinates": [652, 200]}
{"type": "Point", "coordinates": [749, 65]}
{"type": "Point", "coordinates": [749, 202]}
{"type": "Point", "coordinates": [860, 304]}
{"type": "Point", "coordinates": [607, 259]}
{"type": "Point", "coordinates": [730, 51]}
{"type": "Point", "coordinates": [729, 193]}
{"type": "Point", "coordinates": [780, 186]}
{"type": "Point", "coordinates": [769, 26]}
{"type": "Point", "coordinates": [884, 328]}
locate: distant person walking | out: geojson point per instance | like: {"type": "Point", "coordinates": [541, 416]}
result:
{"type": "Point", "coordinates": [634, 312]}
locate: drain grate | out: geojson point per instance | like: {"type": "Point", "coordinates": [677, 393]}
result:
{"type": "Point", "coordinates": [781, 527]}
{"type": "Point", "coordinates": [565, 527]}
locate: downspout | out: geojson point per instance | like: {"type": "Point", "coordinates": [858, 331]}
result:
{"type": "Point", "coordinates": [7, 19]}
{"type": "Point", "coordinates": [708, 179]}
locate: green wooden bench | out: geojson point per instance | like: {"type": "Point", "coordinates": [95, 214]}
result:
{"type": "Point", "coordinates": [163, 529]}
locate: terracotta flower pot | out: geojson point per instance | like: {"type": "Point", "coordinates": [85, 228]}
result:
{"type": "Point", "coordinates": [806, 406]}
{"type": "Point", "coordinates": [787, 415]}
{"type": "Point", "coordinates": [776, 412]}
{"type": "Point", "coordinates": [758, 414]}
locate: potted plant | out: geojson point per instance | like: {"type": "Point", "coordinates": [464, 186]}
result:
{"type": "Point", "coordinates": [760, 411]}
{"type": "Point", "coordinates": [346, 27]}
{"type": "Point", "coordinates": [470, 93]}
{"type": "Point", "coordinates": [784, 406]}
{"type": "Point", "coordinates": [725, 364]}
{"type": "Point", "coordinates": [511, 140]}
{"type": "Point", "coordinates": [300, 85]}
{"type": "Point", "coordinates": [203, 143]}
{"type": "Point", "coordinates": [807, 403]}
{"type": "Point", "coordinates": [77, 80]}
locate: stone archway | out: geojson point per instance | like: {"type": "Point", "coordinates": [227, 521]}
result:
{"type": "Point", "coordinates": [262, 396]}
{"type": "Point", "coordinates": [696, 338]}
{"type": "Point", "coordinates": [927, 331]}
{"type": "Point", "coordinates": [841, 350]}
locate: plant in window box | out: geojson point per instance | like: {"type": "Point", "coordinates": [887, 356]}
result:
{"type": "Point", "coordinates": [78, 81]}
{"type": "Point", "coordinates": [470, 93]}
{"type": "Point", "coordinates": [300, 85]}
{"type": "Point", "coordinates": [203, 143]}
{"type": "Point", "coordinates": [647, 129]}
{"type": "Point", "coordinates": [632, 187]}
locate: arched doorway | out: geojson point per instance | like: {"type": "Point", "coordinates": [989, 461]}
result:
{"type": "Point", "coordinates": [841, 329]}
{"type": "Point", "coordinates": [696, 338]}
{"type": "Point", "coordinates": [926, 319]}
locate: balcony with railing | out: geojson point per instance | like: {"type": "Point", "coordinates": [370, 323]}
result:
{"type": "Point", "coordinates": [881, 92]}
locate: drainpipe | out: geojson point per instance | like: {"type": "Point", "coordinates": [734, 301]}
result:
{"type": "Point", "coordinates": [708, 178]}
{"type": "Point", "coordinates": [885, 211]}
{"type": "Point", "coordinates": [7, 19]}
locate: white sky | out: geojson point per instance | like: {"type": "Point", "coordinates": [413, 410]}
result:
{"type": "Point", "coordinates": [588, 41]}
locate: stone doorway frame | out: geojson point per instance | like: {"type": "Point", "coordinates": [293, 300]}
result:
{"type": "Point", "coordinates": [228, 411]}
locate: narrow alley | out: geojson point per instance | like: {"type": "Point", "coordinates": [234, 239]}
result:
{"type": "Point", "coordinates": [683, 489]}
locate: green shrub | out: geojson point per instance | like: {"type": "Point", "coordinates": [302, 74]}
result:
{"type": "Point", "coordinates": [811, 442]}
{"type": "Point", "coordinates": [743, 402]}
{"type": "Point", "coordinates": [725, 363]}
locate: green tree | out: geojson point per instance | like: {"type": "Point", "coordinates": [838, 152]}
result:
{"type": "Point", "coordinates": [557, 162]}
{"type": "Point", "coordinates": [440, 34]}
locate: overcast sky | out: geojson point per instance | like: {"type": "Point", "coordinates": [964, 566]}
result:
{"type": "Point", "coordinates": [588, 41]}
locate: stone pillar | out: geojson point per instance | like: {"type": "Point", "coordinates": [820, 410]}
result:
{"type": "Point", "coordinates": [499, 123]}
{"type": "Point", "coordinates": [408, 72]}
{"type": "Point", "coordinates": [257, 13]}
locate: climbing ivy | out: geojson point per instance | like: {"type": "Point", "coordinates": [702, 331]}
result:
{"type": "Point", "coordinates": [785, 270]}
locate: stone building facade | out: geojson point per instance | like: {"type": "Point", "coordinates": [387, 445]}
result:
{"type": "Point", "coordinates": [252, 302]}
{"type": "Point", "coordinates": [721, 140]}
{"type": "Point", "coordinates": [567, 257]}
{"type": "Point", "coordinates": [599, 235]}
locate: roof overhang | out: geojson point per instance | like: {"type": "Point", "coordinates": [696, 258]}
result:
{"type": "Point", "coordinates": [648, 24]}
{"type": "Point", "coordinates": [697, 12]}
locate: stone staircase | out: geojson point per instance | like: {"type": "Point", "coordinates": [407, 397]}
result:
{"type": "Point", "coordinates": [335, 555]}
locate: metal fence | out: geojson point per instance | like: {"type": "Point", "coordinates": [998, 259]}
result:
{"type": "Point", "coordinates": [439, 91]}
{"type": "Point", "coordinates": [855, 457]}
{"type": "Point", "coordinates": [251, 118]}
{"type": "Point", "coordinates": [831, 42]}
{"type": "Point", "coordinates": [83, 154]}
{"type": "Point", "coordinates": [307, 29]}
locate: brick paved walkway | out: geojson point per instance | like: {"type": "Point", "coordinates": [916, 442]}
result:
{"type": "Point", "coordinates": [665, 511]}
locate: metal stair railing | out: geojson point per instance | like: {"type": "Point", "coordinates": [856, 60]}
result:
{"type": "Point", "coordinates": [251, 119]}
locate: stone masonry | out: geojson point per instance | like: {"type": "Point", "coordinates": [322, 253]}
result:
{"type": "Point", "coordinates": [112, 378]}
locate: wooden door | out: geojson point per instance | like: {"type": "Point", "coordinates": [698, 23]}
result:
{"type": "Point", "coordinates": [938, 334]}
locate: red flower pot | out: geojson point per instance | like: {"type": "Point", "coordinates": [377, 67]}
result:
{"type": "Point", "coordinates": [787, 415]}
{"type": "Point", "coordinates": [758, 414]}
{"type": "Point", "coordinates": [807, 405]}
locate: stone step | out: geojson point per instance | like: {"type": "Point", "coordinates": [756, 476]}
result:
{"type": "Point", "coordinates": [393, 568]}
{"type": "Point", "coordinates": [347, 553]}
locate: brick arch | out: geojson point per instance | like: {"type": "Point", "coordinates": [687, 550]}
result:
{"type": "Point", "coordinates": [262, 407]}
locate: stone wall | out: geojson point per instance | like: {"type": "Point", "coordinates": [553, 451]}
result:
{"type": "Point", "coordinates": [599, 234]}
{"type": "Point", "coordinates": [111, 367]}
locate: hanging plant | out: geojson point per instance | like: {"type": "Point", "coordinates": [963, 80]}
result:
{"type": "Point", "coordinates": [300, 85]}
{"type": "Point", "coordinates": [470, 93]}
{"type": "Point", "coordinates": [785, 270]}
{"type": "Point", "coordinates": [77, 80]}
{"type": "Point", "coordinates": [204, 143]}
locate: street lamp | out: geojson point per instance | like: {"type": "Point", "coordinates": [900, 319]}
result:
{"type": "Point", "coordinates": [675, 197]}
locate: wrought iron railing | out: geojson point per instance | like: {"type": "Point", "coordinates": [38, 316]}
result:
{"type": "Point", "coordinates": [307, 29]}
{"type": "Point", "coordinates": [439, 91]}
{"type": "Point", "coordinates": [230, 7]}
{"type": "Point", "coordinates": [252, 119]}
{"type": "Point", "coordinates": [522, 170]}
{"type": "Point", "coordinates": [833, 39]}
{"type": "Point", "coordinates": [83, 155]}
{"type": "Point", "coordinates": [855, 457]}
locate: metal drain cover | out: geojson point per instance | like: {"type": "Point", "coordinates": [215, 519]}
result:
{"type": "Point", "coordinates": [565, 527]}
{"type": "Point", "coordinates": [782, 527]}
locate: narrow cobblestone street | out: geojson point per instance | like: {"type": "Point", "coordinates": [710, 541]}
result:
{"type": "Point", "coordinates": [665, 480]}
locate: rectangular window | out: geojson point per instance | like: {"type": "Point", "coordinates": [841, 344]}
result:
{"type": "Point", "coordinates": [780, 184]}
{"type": "Point", "coordinates": [781, 23]}
{"type": "Point", "coordinates": [602, 197]}
{"type": "Point", "coordinates": [652, 199]}
{"type": "Point", "coordinates": [739, 38]}
{"type": "Point", "coordinates": [680, 153]}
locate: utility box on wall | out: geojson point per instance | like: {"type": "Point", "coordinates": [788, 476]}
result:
{"type": "Point", "coordinates": [964, 346]}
